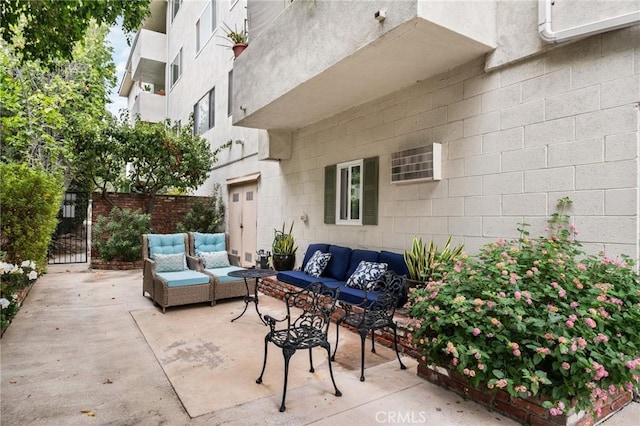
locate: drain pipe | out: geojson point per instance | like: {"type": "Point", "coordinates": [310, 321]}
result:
{"type": "Point", "coordinates": [548, 35]}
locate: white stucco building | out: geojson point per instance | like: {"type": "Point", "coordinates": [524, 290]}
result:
{"type": "Point", "coordinates": [523, 102]}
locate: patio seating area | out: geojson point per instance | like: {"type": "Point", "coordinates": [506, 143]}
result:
{"type": "Point", "coordinates": [87, 343]}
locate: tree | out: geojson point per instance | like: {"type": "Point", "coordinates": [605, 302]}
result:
{"type": "Point", "coordinates": [51, 28]}
{"type": "Point", "coordinates": [50, 116]}
{"type": "Point", "coordinates": [161, 156]}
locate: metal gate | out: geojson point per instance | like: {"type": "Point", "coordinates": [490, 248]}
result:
{"type": "Point", "coordinates": [71, 239]}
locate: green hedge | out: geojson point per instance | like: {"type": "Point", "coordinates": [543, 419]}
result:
{"type": "Point", "coordinates": [30, 200]}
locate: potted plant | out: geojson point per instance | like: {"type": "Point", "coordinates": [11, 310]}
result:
{"type": "Point", "coordinates": [425, 261]}
{"type": "Point", "coordinates": [236, 38]}
{"type": "Point", "coordinates": [283, 249]}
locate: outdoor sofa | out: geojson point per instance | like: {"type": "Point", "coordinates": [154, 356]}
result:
{"type": "Point", "coordinates": [342, 264]}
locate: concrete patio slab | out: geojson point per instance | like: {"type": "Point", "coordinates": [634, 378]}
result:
{"type": "Point", "coordinates": [89, 341]}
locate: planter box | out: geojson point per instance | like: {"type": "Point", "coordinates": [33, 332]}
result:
{"type": "Point", "coordinates": [527, 411]}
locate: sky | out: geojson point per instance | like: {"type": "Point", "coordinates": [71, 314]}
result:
{"type": "Point", "coordinates": [120, 55]}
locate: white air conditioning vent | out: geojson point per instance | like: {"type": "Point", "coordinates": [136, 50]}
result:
{"type": "Point", "coordinates": [416, 164]}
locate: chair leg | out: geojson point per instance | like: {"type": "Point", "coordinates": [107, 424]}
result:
{"type": "Point", "coordinates": [288, 353]}
{"type": "Point", "coordinates": [395, 344]}
{"type": "Point", "coordinates": [333, 357]}
{"type": "Point", "coordinates": [264, 363]}
{"type": "Point", "coordinates": [363, 337]}
{"type": "Point", "coordinates": [311, 370]}
{"type": "Point", "coordinates": [328, 348]}
{"type": "Point", "coordinates": [373, 342]}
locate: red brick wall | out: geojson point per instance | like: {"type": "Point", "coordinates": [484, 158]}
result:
{"type": "Point", "coordinates": [167, 211]}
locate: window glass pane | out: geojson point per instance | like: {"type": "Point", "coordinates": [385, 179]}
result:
{"type": "Point", "coordinates": [176, 68]}
{"type": "Point", "coordinates": [212, 108]}
{"type": "Point", "coordinates": [344, 193]}
{"type": "Point", "coordinates": [175, 7]}
{"type": "Point", "coordinates": [203, 28]}
{"type": "Point", "coordinates": [355, 192]}
{"type": "Point", "coordinates": [202, 115]}
{"type": "Point", "coordinates": [214, 17]}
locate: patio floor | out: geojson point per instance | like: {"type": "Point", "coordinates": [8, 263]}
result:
{"type": "Point", "coordinates": [88, 347]}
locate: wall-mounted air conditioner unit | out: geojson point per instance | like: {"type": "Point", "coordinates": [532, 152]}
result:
{"type": "Point", "coordinates": [417, 164]}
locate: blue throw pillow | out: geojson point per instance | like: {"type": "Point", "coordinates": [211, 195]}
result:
{"type": "Point", "coordinates": [315, 266]}
{"type": "Point", "coordinates": [365, 272]}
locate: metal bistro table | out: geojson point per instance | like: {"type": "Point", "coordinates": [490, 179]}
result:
{"type": "Point", "coordinates": [251, 273]}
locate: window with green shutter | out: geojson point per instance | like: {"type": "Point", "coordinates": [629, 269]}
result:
{"type": "Point", "coordinates": [351, 192]}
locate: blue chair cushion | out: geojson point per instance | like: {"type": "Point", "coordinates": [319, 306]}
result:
{"type": "Point", "coordinates": [311, 249]}
{"type": "Point", "coordinates": [165, 244]}
{"type": "Point", "coordinates": [339, 263]}
{"type": "Point", "coordinates": [222, 273]}
{"type": "Point", "coordinates": [208, 243]}
{"type": "Point", "coordinates": [184, 278]}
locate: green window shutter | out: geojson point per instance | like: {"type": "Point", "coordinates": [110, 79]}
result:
{"type": "Point", "coordinates": [370, 192]}
{"type": "Point", "coordinates": [330, 194]}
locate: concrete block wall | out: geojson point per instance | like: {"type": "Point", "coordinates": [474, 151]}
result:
{"type": "Point", "coordinates": [515, 140]}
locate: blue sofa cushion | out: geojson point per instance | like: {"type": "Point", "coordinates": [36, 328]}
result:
{"type": "Point", "coordinates": [208, 243]}
{"type": "Point", "coordinates": [183, 278]}
{"type": "Point", "coordinates": [394, 261]}
{"type": "Point", "coordinates": [357, 256]}
{"type": "Point", "coordinates": [165, 244]}
{"type": "Point", "coordinates": [339, 263]}
{"type": "Point", "coordinates": [302, 280]}
{"type": "Point", "coordinates": [324, 248]}
{"type": "Point", "coordinates": [222, 274]}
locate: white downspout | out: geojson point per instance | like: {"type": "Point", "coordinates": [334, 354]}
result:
{"type": "Point", "coordinates": [548, 35]}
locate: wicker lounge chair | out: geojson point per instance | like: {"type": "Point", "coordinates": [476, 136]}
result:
{"type": "Point", "coordinates": [168, 282]}
{"type": "Point", "coordinates": [226, 287]}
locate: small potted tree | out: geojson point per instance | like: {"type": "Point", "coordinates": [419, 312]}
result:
{"type": "Point", "coordinates": [283, 249]}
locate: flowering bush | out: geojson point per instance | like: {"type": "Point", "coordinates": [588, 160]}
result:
{"type": "Point", "coordinates": [535, 317]}
{"type": "Point", "coordinates": [13, 278]}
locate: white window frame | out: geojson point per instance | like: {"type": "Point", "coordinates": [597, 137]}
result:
{"type": "Point", "coordinates": [232, 4]}
{"type": "Point", "coordinates": [347, 167]}
{"type": "Point", "coordinates": [229, 93]}
{"type": "Point", "coordinates": [174, 78]}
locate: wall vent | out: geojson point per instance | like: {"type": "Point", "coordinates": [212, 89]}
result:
{"type": "Point", "coordinates": [417, 164]}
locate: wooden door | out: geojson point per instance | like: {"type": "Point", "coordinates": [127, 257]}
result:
{"type": "Point", "coordinates": [243, 207]}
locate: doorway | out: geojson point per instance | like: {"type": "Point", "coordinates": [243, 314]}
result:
{"type": "Point", "coordinates": [243, 223]}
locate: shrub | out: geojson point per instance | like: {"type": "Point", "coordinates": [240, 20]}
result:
{"type": "Point", "coordinates": [119, 237]}
{"type": "Point", "coordinates": [535, 317]}
{"type": "Point", "coordinates": [205, 216]}
{"type": "Point", "coordinates": [30, 200]}
{"type": "Point", "coordinates": [13, 278]}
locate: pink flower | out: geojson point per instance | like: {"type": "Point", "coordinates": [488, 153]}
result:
{"type": "Point", "coordinates": [481, 367]}
{"type": "Point", "coordinates": [476, 331]}
{"type": "Point", "coordinates": [517, 295]}
{"type": "Point", "coordinates": [566, 366]}
{"type": "Point", "coordinates": [569, 323]}
{"type": "Point", "coordinates": [582, 267]}
{"type": "Point", "coordinates": [590, 322]}
{"type": "Point", "coordinates": [562, 293]}
{"type": "Point", "coordinates": [516, 352]}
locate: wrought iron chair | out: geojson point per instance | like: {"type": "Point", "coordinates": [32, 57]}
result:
{"type": "Point", "coordinates": [374, 313]}
{"type": "Point", "coordinates": [304, 331]}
